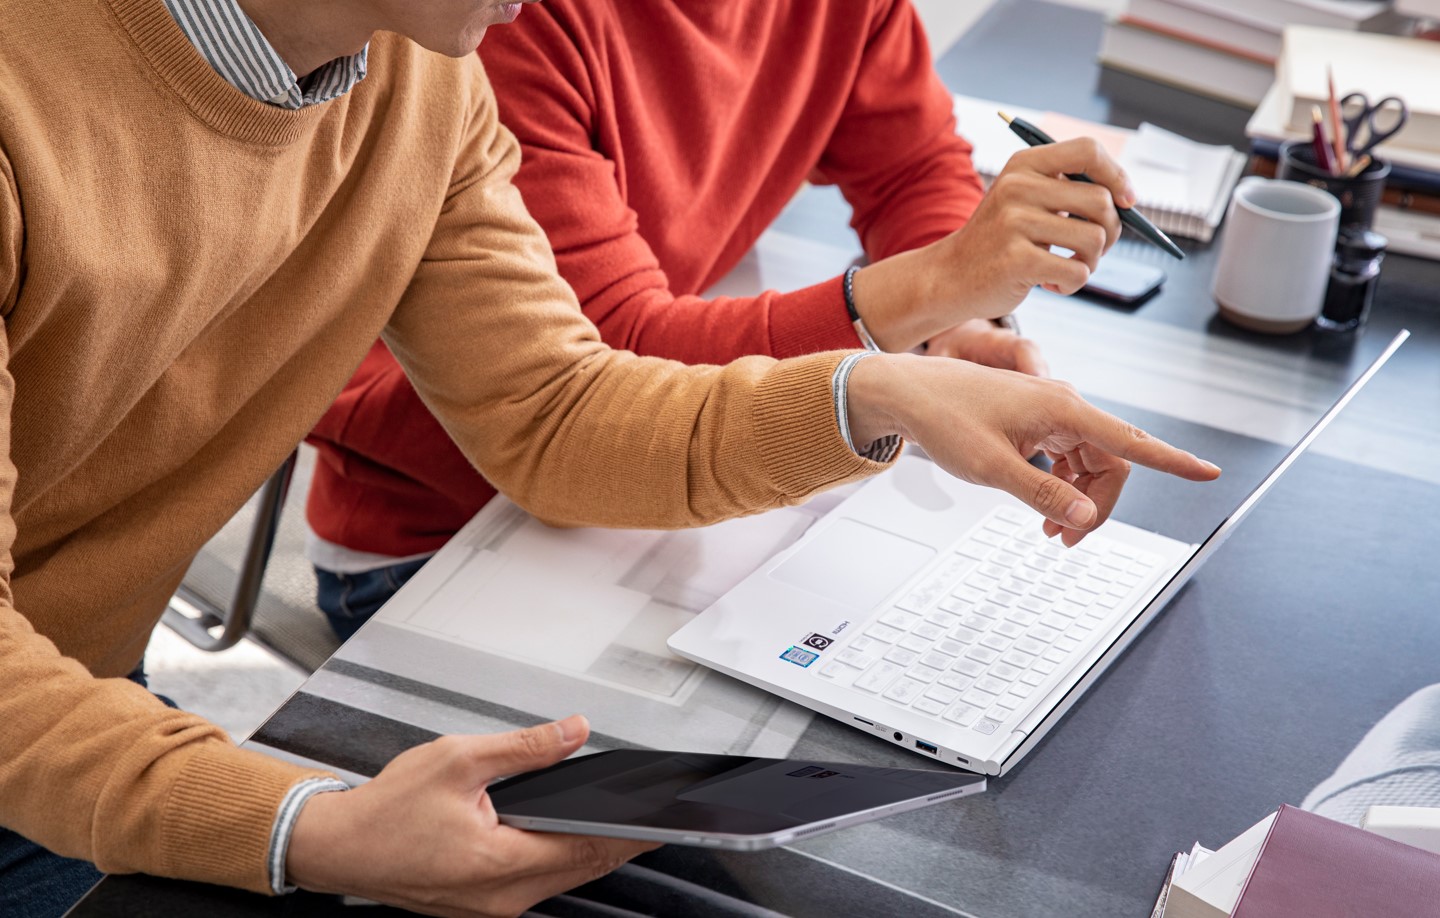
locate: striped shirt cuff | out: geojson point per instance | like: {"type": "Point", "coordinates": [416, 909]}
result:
{"type": "Point", "coordinates": [285, 825]}
{"type": "Point", "coordinates": [881, 450]}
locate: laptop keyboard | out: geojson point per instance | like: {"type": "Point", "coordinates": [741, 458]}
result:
{"type": "Point", "coordinates": [988, 625]}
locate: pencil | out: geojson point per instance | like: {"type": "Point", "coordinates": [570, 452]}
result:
{"type": "Point", "coordinates": [1362, 162]}
{"type": "Point", "coordinates": [1128, 216]}
{"type": "Point", "coordinates": [1339, 141]}
{"type": "Point", "coordinates": [1323, 157]}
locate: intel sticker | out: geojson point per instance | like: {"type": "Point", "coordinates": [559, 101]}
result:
{"type": "Point", "coordinates": [799, 656]}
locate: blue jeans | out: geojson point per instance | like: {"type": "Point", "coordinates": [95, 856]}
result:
{"type": "Point", "coordinates": [348, 600]}
{"type": "Point", "coordinates": [34, 883]}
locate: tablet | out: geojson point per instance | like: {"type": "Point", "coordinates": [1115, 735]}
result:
{"type": "Point", "coordinates": [740, 803]}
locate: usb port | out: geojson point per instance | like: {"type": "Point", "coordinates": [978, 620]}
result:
{"type": "Point", "coordinates": [927, 747]}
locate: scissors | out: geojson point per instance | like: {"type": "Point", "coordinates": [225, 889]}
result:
{"type": "Point", "coordinates": [1380, 121]}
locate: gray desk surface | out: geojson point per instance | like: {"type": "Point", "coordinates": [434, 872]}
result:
{"type": "Point", "coordinates": [1312, 622]}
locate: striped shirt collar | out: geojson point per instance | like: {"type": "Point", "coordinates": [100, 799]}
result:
{"type": "Point", "coordinates": [232, 44]}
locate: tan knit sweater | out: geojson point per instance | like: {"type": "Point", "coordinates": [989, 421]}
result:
{"type": "Point", "coordinates": [187, 278]}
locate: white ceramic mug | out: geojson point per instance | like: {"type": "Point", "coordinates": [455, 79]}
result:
{"type": "Point", "coordinates": [1276, 253]}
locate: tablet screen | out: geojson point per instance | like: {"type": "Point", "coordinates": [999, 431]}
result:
{"type": "Point", "coordinates": [732, 795]}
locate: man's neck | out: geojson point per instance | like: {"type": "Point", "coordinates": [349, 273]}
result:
{"type": "Point", "coordinates": [309, 35]}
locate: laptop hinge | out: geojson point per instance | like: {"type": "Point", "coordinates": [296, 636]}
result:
{"type": "Point", "coordinates": [1010, 746]}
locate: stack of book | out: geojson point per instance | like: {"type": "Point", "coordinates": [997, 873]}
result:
{"type": "Point", "coordinates": [1379, 66]}
{"type": "Point", "coordinates": [1226, 49]}
{"type": "Point", "coordinates": [1294, 863]}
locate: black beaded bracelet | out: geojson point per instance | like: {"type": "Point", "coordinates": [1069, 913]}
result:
{"type": "Point", "coordinates": [850, 293]}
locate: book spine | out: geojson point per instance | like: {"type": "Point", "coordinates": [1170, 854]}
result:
{"type": "Point", "coordinates": [1192, 38]}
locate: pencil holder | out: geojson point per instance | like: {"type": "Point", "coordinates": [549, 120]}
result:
{"type": "Point", "coordinates": [1359, 196]}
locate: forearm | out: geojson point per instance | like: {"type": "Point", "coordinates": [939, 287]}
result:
{"type": "Point", "coordinates": [99, 769]}
{"type": "Point", "coordinates": [638, 313]}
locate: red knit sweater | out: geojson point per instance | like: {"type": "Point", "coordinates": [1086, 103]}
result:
{"type": "Point", "coordinates": [660, 138]}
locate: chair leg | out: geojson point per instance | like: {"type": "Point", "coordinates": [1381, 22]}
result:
{"type": "Point", "coordinates": [194, 618]}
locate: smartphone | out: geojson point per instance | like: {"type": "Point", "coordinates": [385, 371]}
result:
{"type": "Point", "coordinates": [1122, 281]}
{"type": "Point", "coordinates": [740, 803]}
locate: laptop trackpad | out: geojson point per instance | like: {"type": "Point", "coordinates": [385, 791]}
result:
{"type": "Point", "coordinates": [854, 564]}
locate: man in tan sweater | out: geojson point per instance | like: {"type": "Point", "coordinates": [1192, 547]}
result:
{"type": "Point", "coordinates": [189, 272]}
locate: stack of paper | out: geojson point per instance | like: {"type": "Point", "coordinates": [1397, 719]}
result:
{"type": "Point", "coordinates": [1182, 186]}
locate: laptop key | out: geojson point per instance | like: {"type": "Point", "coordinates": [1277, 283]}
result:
{"type": "Point", "coordinates": [958, 682]}
{"type": "Point", "coordinates": [852, 657]}
{"type": "Point", "coordinates": [979, 699]}
{"type": "Point", "coordinates": [986, 655]}
{"type": "Point", "coordinates": [1032, 678]}
{"type": "Point", "coordinates": [976, 622]}
{"type": "Point", "coordinates": [928, 706]}
{"type": "Point", "coordinates": [902, 657]}
{"type": "Point", "coordinates": [962, 713]}
{"type": "Point", "coordinates": [952, 648]}
{"type": "Point", "coordinates": [1011, 515]}
{"type": "Point", "coordinates": [1042, 633]}
{"type": "Point", "coordinates": [1043, 666]}
{"type": "Point", "coordinates": [975, 551]}
{"type": "Point", "coordinates": [922, 673]}
{"type": "Point", "coordinates": [929, 631]}
{"type": "Point", "coordinates": [884, 633]}
{"type": "Point", "coordinates": [1010, 700]}
{"type": "Point", "coordinates": [877, 677]}
{"type": "Point", "coordinates": [1023, 617]}
{"type": "Point", "coordinates": [942, 618]}
{"type": "Point", "coordinates": [996, 642]}
{"type": "Point", "coordinates": [1066, 644]}
{"type": "Point", "coordinates": [936, 660]}
{"type": "Point", "coordinates": [987, 725]}
{"type": "Point", "coordinates": [991, 684]}
{"type": "Point", "coordinates": [899, 618]}
{"type": "Point", "coordinates": [942, 693]}
{"type": "Point", "coordinates": [970, 668]}
{"type": "Point", "coordinates": [1009, 629]}
{"type": "Point", "coordinates": [964, 635]}
{"type": "Point", "coordinates": [1002, 670]}
{"type": "Point", "coordinates": [904, 690]}
{"type": "Point", "coordinates": [1029, 645]}
{"type": "Point", "coordinates": [1018, 659]}
{"type": "Point", "coordinates": [1055, 655]}
{"type": "Point", "coordinates": [913, 643]}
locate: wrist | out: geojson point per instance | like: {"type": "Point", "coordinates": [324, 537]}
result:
{"type": "Point", "coordinates": [875, 401]}
{"type": "Point", "coordinates": [312, 854]}
{"type": "Point", "coordinates": [901, 298]}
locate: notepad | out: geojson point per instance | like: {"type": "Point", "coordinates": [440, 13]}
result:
{"type": "Point", "coordinates": [1181, 185]}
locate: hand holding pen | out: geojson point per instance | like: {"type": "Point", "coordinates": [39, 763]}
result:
{"type": "Point", "coordinates": [1127, 215]}
{"type": "Point", "coordinates": [985, 269]}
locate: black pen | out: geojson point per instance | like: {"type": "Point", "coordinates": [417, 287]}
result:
{"type": "Point", "coordinates": [1128, 216]}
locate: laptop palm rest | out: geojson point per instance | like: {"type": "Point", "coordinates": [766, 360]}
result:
{"type": "Point", "coordinates": [854, 564]}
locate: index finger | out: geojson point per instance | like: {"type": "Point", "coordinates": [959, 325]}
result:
{"type": "Point", "coordinates": [1123, 439]}
{"type": "Point", "coordinates": [1087, 155]}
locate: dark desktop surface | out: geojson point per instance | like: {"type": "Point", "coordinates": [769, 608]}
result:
{"type": "Point", "coordinates": [1314, 620]}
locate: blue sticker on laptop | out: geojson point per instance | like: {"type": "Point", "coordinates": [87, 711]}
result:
{"type": "Point", "coordinates": [799, 656]}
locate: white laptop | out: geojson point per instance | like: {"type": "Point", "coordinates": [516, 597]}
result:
{"type": "Point", "coordinates": [935, 614]}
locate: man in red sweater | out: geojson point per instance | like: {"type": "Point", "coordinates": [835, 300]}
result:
{"type": "Point", "coordinates": [660, 139]}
